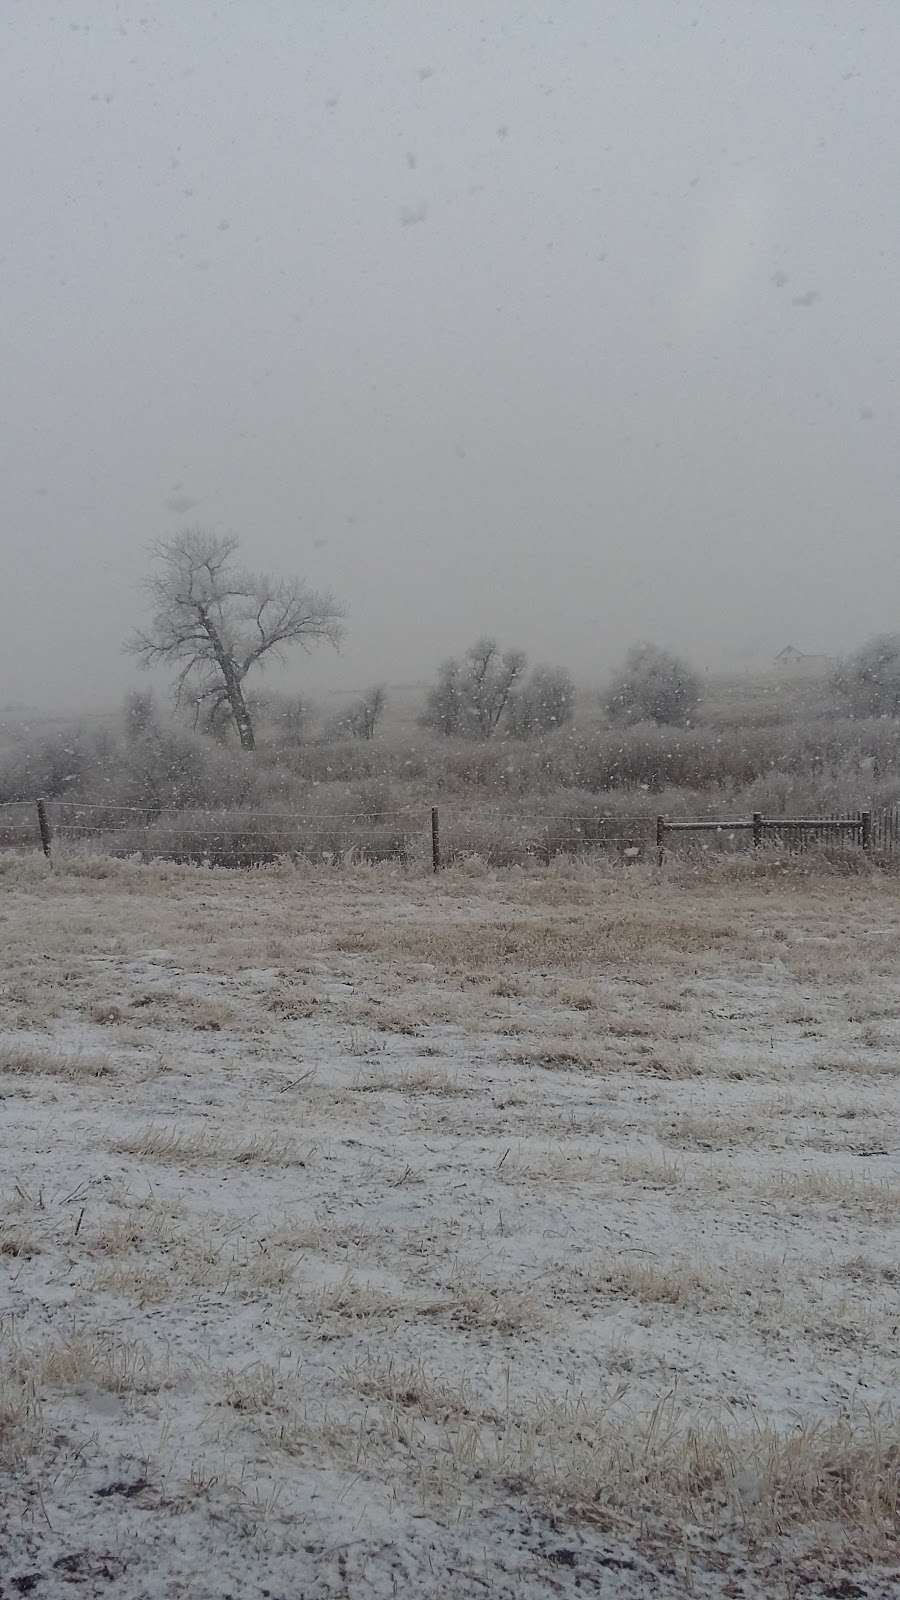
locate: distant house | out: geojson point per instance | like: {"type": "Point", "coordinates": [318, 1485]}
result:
{"type": "Point", "coordinates": [802, 663]}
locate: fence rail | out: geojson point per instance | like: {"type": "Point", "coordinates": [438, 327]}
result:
{"type": "Point", "coordinates": [790, 832]}
{"type": "Point", "coordinates": [408, 833]}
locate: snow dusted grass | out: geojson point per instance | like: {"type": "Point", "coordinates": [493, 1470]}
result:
{"type": "Point", "coordinates": [364, 1233]}
{"type": "Point", "coordinates": [206, 1148]}
{"type": "Point", "coordinates": [54, 1063]}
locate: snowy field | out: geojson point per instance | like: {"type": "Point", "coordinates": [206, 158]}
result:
{"type": "Point", "coordinates": [515, 1234]}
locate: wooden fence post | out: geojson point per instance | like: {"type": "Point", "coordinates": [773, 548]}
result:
{"type": "Point", "coordinates": [660, 839]}
{"type": "Point", "coordinates": [44, 826]}
{"type": "Point", "coordinates": [865, 832]}
{"type": "Point", "coordinates": [435, 841]}
{"type": "Point", "coordinates": [757, 829]}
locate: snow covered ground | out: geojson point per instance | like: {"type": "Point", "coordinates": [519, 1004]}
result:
{"type": "Point", "coordinates": [516, 1233]}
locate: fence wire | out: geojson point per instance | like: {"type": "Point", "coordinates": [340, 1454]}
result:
{"type": "Point", "coordinates": [404, 832]}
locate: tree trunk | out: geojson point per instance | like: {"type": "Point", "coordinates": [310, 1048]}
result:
{"type": "Point", "coordinates": [232, 682]}
{"type": "Point", "coordinates": [238, 704]}
{"type": "Point", "coordinates": [242, 717]}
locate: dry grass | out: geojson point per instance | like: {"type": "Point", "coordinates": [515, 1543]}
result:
{"type": "Point", "coordinates": [251, 1391]}
{"type": "Point", "coordinates": [665, 1465]}
{"type": "Point", "coordinates": [18, 1240]}
{"type": "Point", "coordinates": [869, 1197]}
{"type": "Point", "coordinates": [117, 1367]}
{"type": "Point", "coordinates": [147, 1225]}
{"type": "Point", "coordinates": [413, 1386]}
{"type": "Point", "coordinates": [350, 1300]}
{"type": "Point", "coordinates": [599, 1462]}
{"type": "Point", "coordinates": [680, 1283]}
{"type": "Point", "coordinates": [857, 1066]}
{"type": "Point", "coordinates": [21, 1415]}
{"type": "Point", "coordinates": [194, 1263]}
{"type": "Point", "coordinates": [137, 1282]}
{"type": "Point", "coordinates": [572, 996]}
{"type": "Point", "coordinates": [206, 1147]}
{"type": "Point", "coordinates": [434, 1312]}
{"type": "Point", "coordinates": [576, 1052]}
{"type": "Point", "coordinates": [78, 1066]}
{"type": "Point", "coordinates": [560, 941]}
{"type": "Point", "coordinates": [472, 1303]}
{"type": "Point", "coordinates": [321, 1238]}
{"type": "Point", "coordinates": [562, 1055]}
{"type": "Point", "coordinates": [155, 1252]}
{"type": "Point", "coordinates": [860, 1269]}
{"type": "Point", "coordinates": [649, 1172]}
{"type": "Point", "coordinates": [414, 1081]}
{"type": "Point", "coordinates": [697, 1131]}
{"type": "Point", "coordinates": [771, 1303]}
{"type": "Point", "coordinates": [548, 1164]}
{"type": "Point", "coordinates": [875, 1140]}
{"type": "Point", "coordinates": [169, 1009]}
{"type": "Point", "coordinates": [84, 1360]}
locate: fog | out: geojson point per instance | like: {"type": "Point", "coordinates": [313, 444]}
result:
{"type": "Point", "coordinates": [574, 322]}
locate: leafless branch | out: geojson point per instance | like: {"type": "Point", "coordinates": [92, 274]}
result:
{"type": "Point", "coordinates": [216, 621]}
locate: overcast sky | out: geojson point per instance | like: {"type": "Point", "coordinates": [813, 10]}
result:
{"type": "Point", "coordinates": [575, 321]}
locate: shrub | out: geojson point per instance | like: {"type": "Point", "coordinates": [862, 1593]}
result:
{"type": "Point", "coordinates": [54, 765]}
{"type": "Point", "coordinates": [869, 681]}
{"type": "Point", "coordinates": [139, 715]}
{"type": "Point", "coordinates": [361, 719]}
{"type": "Point", "coordinates": [286, 718]}
{"type": "Point", "coordinates": [471, 696]}
{"type": "Point", "coordinates": [545, 702]}
{"type": "Point", "coordinates": [653, 686]}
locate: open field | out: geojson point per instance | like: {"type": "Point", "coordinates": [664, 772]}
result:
{"type": "Point", "coordinates": [519, 1232]}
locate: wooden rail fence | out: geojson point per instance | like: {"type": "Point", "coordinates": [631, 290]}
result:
{"type": "Point", "coordinates": [795, 832]}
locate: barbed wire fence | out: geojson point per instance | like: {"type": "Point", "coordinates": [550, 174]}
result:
{"type": "Point", "coordinates": [435, 837]}
{"type": "Point", "coordinates": [236, 838]}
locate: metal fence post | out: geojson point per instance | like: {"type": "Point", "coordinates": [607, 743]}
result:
{"type": "Point", "coordinates": [44, 826]}
{"type": "Point", "coordinates": [757, 829]}
{"type": "Point", "coordinates": [435, 841]}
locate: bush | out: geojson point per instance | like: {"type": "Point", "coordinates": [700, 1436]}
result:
{"type": "Point", "coordinates": [53, 765]}
{"type": "Point", "coordinates": [361, 719]}
{"type": "Point", "coordinates": [869, 681]}
{"type": "Point", "coordinates": [653, 686]}
{"type": "Point", "coordinates": [545, 702]}
{"type": "Point", "coordinates": [285, 718]}
{"type": "Point", "coordinates": [471, 696]}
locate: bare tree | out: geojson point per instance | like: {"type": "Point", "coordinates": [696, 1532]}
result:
{"type": "Point", "coordinates": [139, 715]}
{"type": "Point", "coordinates": [360, 719]}
{"type": "Point", "coordinates": [365, 715]}
{"type": "Point", "coordinates": [445, 703]}
{"type": "Point", "coordinates": [492, 677]}
{"type": "Point", "coordinates": [471, 697]}
{"type": "Point", "coordinates": [216, 621]}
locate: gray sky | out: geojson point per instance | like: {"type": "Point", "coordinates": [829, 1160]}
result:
{"type": "Point", "coordinates": [575, 321]}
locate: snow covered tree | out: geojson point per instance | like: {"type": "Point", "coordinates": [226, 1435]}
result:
{"type": "Point", "coordinates": [869, 681]}
{"type": "Point", "coordinates": [545, 702]}
{"type": "Point", "coordinates": [471, 696]}
{"type": "Point", "coordinates": [217, 621]}
{"type": "Point", "coordinates": [363, 717]}
{"type": "Point", "coordinates": [653, 686]}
